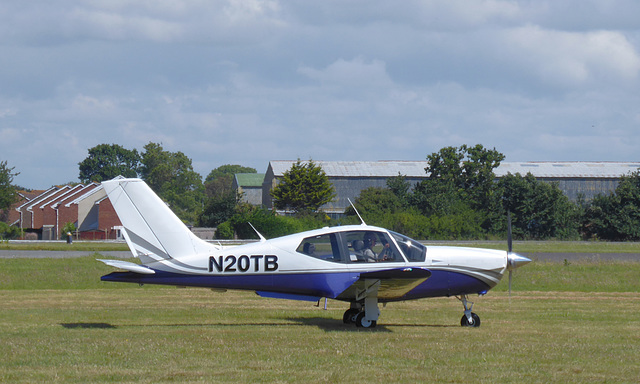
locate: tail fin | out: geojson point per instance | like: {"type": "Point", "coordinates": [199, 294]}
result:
{"type": "Point", "coordinates": [152, 230]}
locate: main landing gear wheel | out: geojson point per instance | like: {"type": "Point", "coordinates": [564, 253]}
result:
{"type": "Point", "coordinates": [475, 320]}
{"type": "Point", "coordinates": [350, 316]}
{"type": "Point", "coordinates": [361, 322]}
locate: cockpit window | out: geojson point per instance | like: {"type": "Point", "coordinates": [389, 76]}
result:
{"type": "Point", "coordinates": [371, 247]}
{"type": "Point", "coordinates": [324, 247]}
{"type": "Point", "coordinates": [413, 250]}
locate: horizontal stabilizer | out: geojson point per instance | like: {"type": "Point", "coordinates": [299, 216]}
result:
{"type": "Point", "coordinates": [128, 266]}
{"type": "Point", "coordinates": [288, 296]}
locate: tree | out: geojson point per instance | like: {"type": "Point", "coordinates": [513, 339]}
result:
{"type": "Point", "coordinates": [303, 188]}
{"type": "Point", "coordinates": [616, 216]}
{"type": "Point", "coordinates": [106, 161]}
{"type": "Point", "coordinates": [8, 193]}
{"type": "Point", "coordinates": [469, 169]}
{"type": "Point", "coordinates": [228, 169]}
{"type": "Point", "coordinates": [439, 197]}
{"type": "Point", "coordinates": [374, 203]}
{"type": "Point", "coordinates": [218, 209]}
{"type": "Point", "coordinates": [539, 210]}
{"type": "Point", "coordinates": [460, 181]}
{"type": "Point", "coordinates": [171, 176]}
{"type": "Point", "coordinates": [400, 187]}
{"type": "Point", "coordinates": [221, 199]}
{"type": "Point", "coordinates": [219, 182]}
{"type": "Point", "coordinates": [446, 165]}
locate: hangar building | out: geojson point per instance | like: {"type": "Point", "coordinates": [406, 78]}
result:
{"type": "Point", "coordinates": [350, 177]}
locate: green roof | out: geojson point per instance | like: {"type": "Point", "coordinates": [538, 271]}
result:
{"type": "Point", "coordinates": [249, 179]}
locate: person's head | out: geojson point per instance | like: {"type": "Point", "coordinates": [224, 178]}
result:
{"type": "Point", "coordinates": [370, 239]}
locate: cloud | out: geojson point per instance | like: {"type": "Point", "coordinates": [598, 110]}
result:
{"type": "Point", "coordinates": [573, 59]}
{"type": "Point", "coordinates": [349, 73]}
{"type": "Point", "coordinates": [247, 81]}
{"type": "Point", "coordinates": [65, 22]}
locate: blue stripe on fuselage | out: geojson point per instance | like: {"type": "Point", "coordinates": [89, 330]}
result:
{"type": "Point", "coordinates": [312, 284]}
{"type": "Point", "coordinates": [331, 285]}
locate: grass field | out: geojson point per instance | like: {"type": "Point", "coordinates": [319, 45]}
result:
{"type": "Point", "coordinates": [59, 323]}
{"type": "Point", "coordinates": [88, 246]}
{"type": "Point", "coordinates": [551, 246]}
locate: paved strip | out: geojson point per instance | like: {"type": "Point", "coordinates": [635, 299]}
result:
{"type": "Point", "coordinates": [9, 254]}
{"type": "Point", "coordinates": [569, 256]}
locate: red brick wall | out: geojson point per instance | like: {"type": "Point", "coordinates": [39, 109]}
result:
{"type": "Point", "coordinates": [27, 216]}
{"type": "Point", "coordinates": [107, 217]}
{"type": "Point", "coordinates": [67, 214]}
{"type": "Point", "coordinates": [49, 214]}
{"type": "Point", "coordinates": [13, 215]}
{"type": "Point", "coordinates": [38, 213]}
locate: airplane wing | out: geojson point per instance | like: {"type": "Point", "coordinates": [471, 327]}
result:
{"type": "Point", "coordinates": [394, 283]}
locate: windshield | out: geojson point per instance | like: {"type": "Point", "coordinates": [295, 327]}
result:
{"type": "Point", "coordinates": [413, 250]}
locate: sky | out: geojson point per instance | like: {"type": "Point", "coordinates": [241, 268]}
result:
{"type": "Point", "coordinates": [249, 81]}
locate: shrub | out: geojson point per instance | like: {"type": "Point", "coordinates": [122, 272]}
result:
{"type": "Point", "coordinates": [8, 232]}
{"type": "Point", "coordinates": [67, 228]}
{"type": "Point", "coordinates": [224, 231]}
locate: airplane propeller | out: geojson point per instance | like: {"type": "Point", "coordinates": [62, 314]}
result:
{"type": "Point", "coordinates": [513, 259]}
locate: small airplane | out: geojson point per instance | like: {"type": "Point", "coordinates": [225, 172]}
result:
{"type": "Point", "coordinates": [360, 264]}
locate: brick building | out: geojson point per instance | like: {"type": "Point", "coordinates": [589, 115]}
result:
{"type": "Point", "coordinates": [86, 206]}
{"type": "Point", "coordinates": [11, 216]}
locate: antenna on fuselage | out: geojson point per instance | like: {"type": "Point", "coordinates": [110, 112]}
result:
{"type": "Point", "coordinates": [258, 233]}
{"type": "Point", "coordinates": [357, 213]}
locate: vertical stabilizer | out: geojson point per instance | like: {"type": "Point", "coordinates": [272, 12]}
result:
{"type": "Point", "coordinates": [152, 230]}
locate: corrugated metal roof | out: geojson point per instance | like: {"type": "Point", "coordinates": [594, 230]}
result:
{"type": "Point", "coordinates": [569, 169]}
{"type": "Point", "coordinates": [359, 168]}
{"type": "Point", "coordinates": [540, 169]}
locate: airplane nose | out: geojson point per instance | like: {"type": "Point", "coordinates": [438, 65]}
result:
{"type": "Point", "coordinates": [515, 261]}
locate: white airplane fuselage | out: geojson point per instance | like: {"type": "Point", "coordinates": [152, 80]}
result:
{"type": "Point", "coordinates": [274, 265]}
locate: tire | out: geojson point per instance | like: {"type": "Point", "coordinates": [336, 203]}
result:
{"type": "Point", "coordinates": [350, 315]}
{"type": "Point", "coordinates": [361, 322]}
{"type": "Point", "coordinates": [475, 321]}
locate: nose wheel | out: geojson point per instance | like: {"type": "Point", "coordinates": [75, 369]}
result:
{"type": "Point", "coordinates": [469, 319]}
{"type": "Point", "coordinates": [475, 320]}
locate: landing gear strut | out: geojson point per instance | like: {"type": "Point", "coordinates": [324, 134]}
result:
{"type": "Point", "coordinates": [469, 319]}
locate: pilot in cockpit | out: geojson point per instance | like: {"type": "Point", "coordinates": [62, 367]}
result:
{"type": "Point", "coordinates": [370, 255]}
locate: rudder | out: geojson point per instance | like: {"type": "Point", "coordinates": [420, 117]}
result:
{"type": "Point", "coordinates": [152, 230]}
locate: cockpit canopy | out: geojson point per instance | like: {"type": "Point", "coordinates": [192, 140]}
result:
{"type": "Point", "coordinates": [363, 246]}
